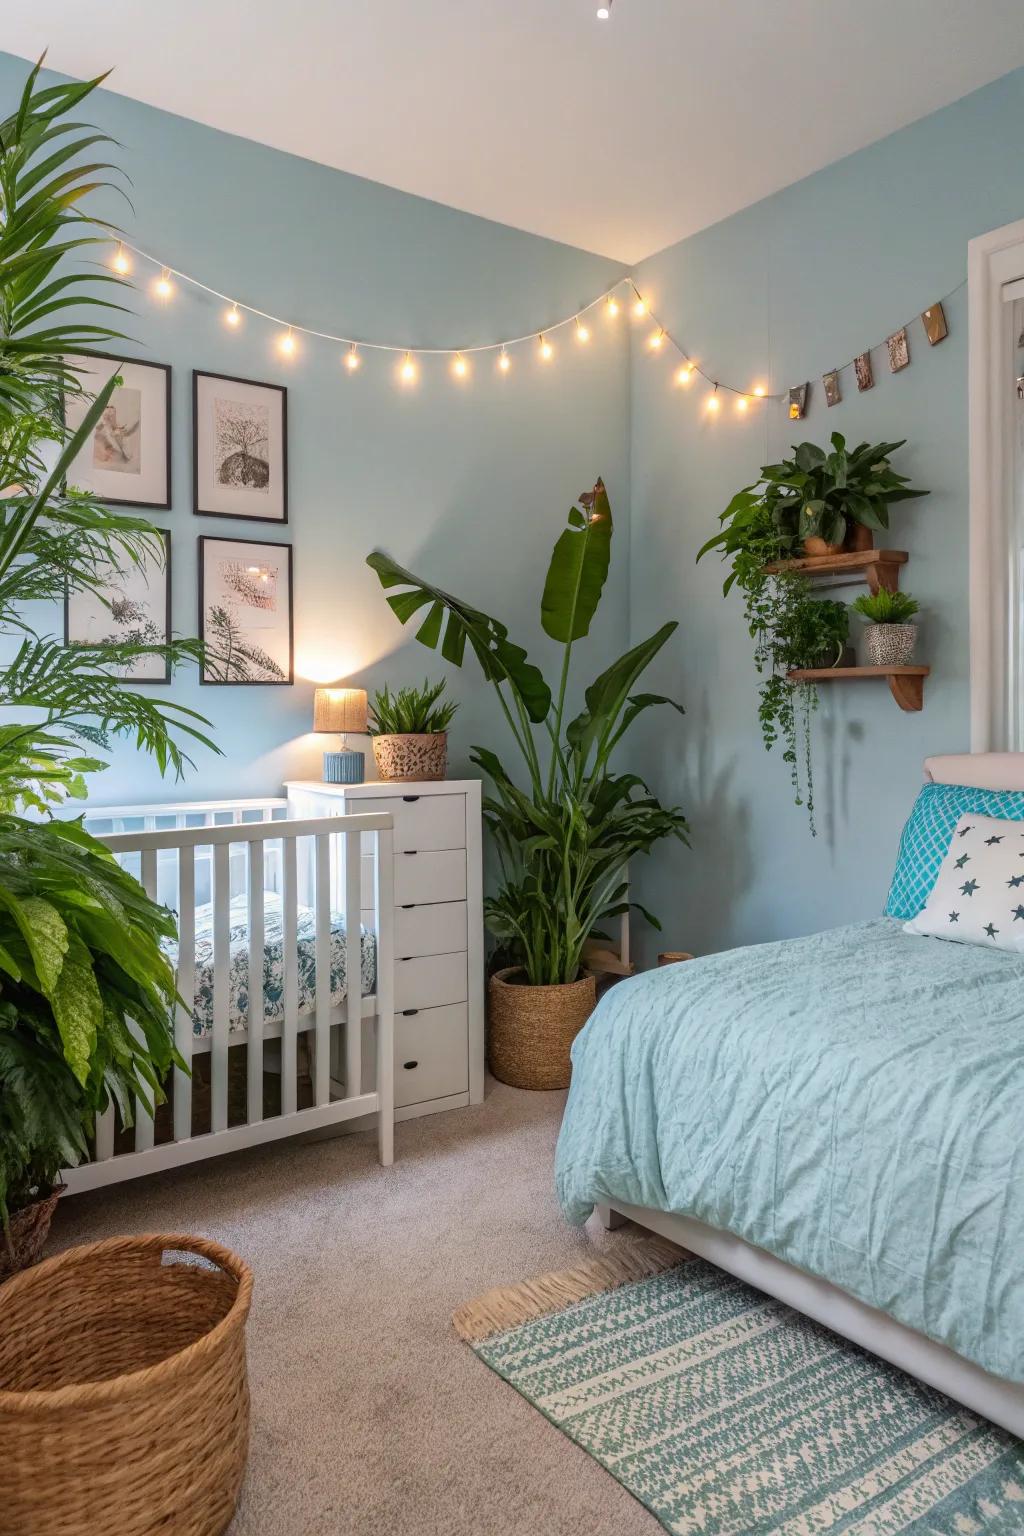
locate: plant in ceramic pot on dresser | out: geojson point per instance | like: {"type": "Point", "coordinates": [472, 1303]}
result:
{"type": "Point", "coordinates": [565, 834]}
{"type": "Point", "coordinates": [409, 729]}
{"type": "Point", "coordinates": [889, 636]}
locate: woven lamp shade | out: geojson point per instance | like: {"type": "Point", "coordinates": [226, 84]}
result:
{"type": "Point", "coordinates": [340, 710]}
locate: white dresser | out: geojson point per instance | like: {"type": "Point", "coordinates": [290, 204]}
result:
{"type": "Point", "coordinates": [439, 949]}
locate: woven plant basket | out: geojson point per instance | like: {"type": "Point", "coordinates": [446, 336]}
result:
{"type": "Point", "coordinates": [412, 757]}
{"type": "Point", "coordinates": [30, 1227]}
{"type": "Point", "coordinates": [124, 1404]}
{"type": "Point", "coordinates": [531, 1029]}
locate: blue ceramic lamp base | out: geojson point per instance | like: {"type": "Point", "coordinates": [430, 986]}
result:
{"type": "Point", "coordinates": [344, 768]}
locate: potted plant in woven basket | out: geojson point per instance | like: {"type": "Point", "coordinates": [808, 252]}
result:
{"type": "Point", "coordinates": [410, 732]}
{"type": "Point", "coordinates": [565, 835]}
{"type": "Point", "coordinates": [889, 637]}
{"type": "Point", "coordinates": [86, 991]}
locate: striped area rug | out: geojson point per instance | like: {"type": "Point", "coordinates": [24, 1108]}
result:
{"type": "Point", "coordinates": [728, 1414]}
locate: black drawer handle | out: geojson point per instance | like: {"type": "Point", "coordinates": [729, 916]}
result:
{"type": "Point", "coordinates": [407, 1013]}
{"type": "Point", "coordinates": [408, 1065]}
{"type": "Point", "coordinates": [410, 798]}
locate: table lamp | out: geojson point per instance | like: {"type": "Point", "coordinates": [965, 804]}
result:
{"type": "Point", "coordinates": [336, 711]}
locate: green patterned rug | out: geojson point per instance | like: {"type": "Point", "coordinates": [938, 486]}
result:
{"type": "Point", "coordinates": [724, 1411]}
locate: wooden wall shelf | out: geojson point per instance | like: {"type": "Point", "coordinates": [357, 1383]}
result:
{"type": "Point", "coordinates": [878, 567]}
{"type": "Point", "coordinates": [906, 684]}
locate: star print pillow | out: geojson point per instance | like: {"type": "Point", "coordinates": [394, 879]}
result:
{"type": "Point", "coordinates": [978, 897]}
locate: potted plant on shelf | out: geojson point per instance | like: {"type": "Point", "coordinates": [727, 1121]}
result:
{"type": "Point", "coordinates": [86, 992]}
{"type": "Point", "coordinates": [889, 637]}
{"type": "Point", "coordinates": [410, 731]}
{"type": "Point", "coordinates": [826, 502]}
{"type": "Point", "coordinates": [565, 837]}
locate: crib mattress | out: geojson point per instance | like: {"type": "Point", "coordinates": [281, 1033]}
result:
{"type": "Point", "coordinates": [273, 963]}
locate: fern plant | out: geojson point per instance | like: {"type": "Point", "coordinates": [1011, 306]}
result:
{"type": "Point", "coordinates": [411, 711]}
{"type": "Point", "coordinates": [80, 942]}
{"type": "Point", "coordinates": [884, 607]}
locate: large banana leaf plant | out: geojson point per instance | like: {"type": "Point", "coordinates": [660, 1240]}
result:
{"type": "Point", "coordinates": [85, 989]}
{"type": "Point", "coordinates": [566, 835]}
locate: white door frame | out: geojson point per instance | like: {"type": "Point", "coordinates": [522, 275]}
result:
{"type": "Point", "coordinates": [992, 260]}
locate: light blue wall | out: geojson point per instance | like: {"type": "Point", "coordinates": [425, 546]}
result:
{"type": "Point", "coordinates": [469, 484]}
{"type": "Point", "coordinates": [783, 291]}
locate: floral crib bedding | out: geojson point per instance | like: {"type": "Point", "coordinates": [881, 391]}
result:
{"type": "Point", "coordinates": [273, 963]}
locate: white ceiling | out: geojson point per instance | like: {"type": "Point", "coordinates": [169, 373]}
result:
{"type": "Point", "coordinates": [617, 136]}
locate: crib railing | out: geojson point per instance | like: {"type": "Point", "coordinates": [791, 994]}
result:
{"type": "Point", "coordinates": [166, 860]}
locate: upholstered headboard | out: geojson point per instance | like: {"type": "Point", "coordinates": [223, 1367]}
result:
{"type": "Point", "coordinates": [982, 770]}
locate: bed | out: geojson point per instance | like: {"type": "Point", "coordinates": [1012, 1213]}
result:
{"type": "Point", "coordinates": [836, 1119]}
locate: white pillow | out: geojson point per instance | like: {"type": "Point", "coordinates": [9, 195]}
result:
{"type": "Point", "coordinates": [978, 897]}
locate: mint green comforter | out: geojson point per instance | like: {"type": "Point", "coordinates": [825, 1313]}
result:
{"type": "Point", "coordinates": [853, 1102]}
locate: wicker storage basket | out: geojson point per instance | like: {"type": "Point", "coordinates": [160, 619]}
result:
{"type": "Point", "coordinates": [30, 1227]}
{"type": "Point", "coordinates": [417, 758]}
{"type": "Point", "coordinates": [124, 1405]}
{"type": "Point", "coordinates": [531, 1029]}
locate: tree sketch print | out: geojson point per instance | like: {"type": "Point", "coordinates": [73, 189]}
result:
{"type": "Point", "coordinates": [231, 657]}
{"type": "Point", "coordinates": [133, 625]}
{"type": "Point", "coordinates": [241, 444]}
{"type": "Point", "coordinates": [252, 586]}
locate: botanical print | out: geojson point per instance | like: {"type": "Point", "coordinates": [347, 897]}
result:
{"type": "Point", "coordinates": [116, 439]}
{"type": "Point", "coordinates": [131, 608]}
{"type": "Point", "coordinates": [246, 611]}
{"type": "Point", "coordinates": [242, 444]}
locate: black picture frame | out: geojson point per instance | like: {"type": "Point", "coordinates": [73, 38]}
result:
{"type": "Point", "coordinates": [165, 368]}
{"type": "Point", "coordinates": [239, 517]}
{"type": "Point", "coordinates": [257, 682]}
{"type": "Point", "coordinates": [139, 682]}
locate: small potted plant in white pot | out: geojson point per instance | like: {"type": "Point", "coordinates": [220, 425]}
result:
{"type": "Point", "coordinates": [410, 732]}
{"type": "Point", "coordinates": [890, 637]}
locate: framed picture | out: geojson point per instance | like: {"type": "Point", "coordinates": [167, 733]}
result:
{"type": "Point", "coordinates": [127, 460]}
{"type": "Point", "coordinates": [137, 608]}
{"type": "Point", "coordinates": [245, 610]}
{"type": "Point", "coordinates": [239, 448]}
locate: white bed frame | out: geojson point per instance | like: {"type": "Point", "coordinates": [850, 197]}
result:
{"type": "Point", "coordinates": [180, 852]}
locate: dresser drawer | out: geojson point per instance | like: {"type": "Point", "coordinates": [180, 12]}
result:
{"type": "Point", "coordinates": [431, 1054]}
{"type": "Point", "coordinates": [430, 877]}
{"type": "Point", "coordinates": [430, 980]}
{"type": "Point", "coordinates": [435, 928]}
{"type": "Point", "coordinates": [422, 822]}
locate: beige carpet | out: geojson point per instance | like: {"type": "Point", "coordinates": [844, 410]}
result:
{"type": "Point", "coordinates": [368, 1414]}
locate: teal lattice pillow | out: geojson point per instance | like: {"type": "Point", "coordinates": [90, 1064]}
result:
{"type": "Point", "coordinates": [929, 832]}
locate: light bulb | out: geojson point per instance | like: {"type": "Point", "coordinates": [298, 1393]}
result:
{"type": "Point", "coordinates": [684, 375]}
{"type": "Point", "coordinates": [352, 358]}
{"type": "Point", "coordinates": [759, 391]}
{"type": "Point", "coordinates": [741, 403]}
{"type": "Point", "coordinates": [407, 372]}
{"type": "Point", "coordinates": [460, 367]}
{"type": "Point", "coordinates": [232, 317]}
{"type": "Point", "coordinates": [713, 402]}
{"type": "Point", "coordinates": [639, 307]}
{"type": "Point", "coordinates": [120, 262]}
{"type": "Point", "coordinates": [655, 341]}
{"type": "Point", "coordinates": [163, 287]}
{"type": "Point", "coordinates": [582, 334]}
{"type": "Point", "coordinates": [286, 343]}
{"type": "Point", "coordinates": [547, 351]}
{"type": "Point", "coordinates": [611, 306]}
{"type": "Point", "coordinates": [504, 361]}
{"type": "Point", "coordinates": [603, 12]}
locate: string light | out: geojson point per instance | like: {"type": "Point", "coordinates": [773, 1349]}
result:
{"type": "Point", "coordinates": [407, 372]}
{"type": "Point", "coordinates": [120, 262]}
{"type": "Point", "coordinates": [504, 361]}
{"type": "Point", "coordinates": [655, 340]}
{"type": "Point", "coordinates": [460, 367]}
{"type": "Point", "coordinates": [232, 317]}
{"type": "Point", "coordinates": [741, 403]}
{"type": "Point", "coordinates": [639, 306]}
{"type": "Point", "coordinates": [759, 391]}
{"type": "Point", "coordinates": [163, 287]}
{"type": "Point", "coordinates": [582, 334]}
{"type": "Point", "coordinates": [547, 351]}
{"type": "Point", "coordinates": [352, 358]}
{"type": "Point", "coordinates": [684, 375]}
{"type": "Point", "coordinates": [611, 306]}
{"type": "Point", "coordinates": [286, 343]}
{"type": "Point", "coordinates": [713, 403]}
{"type": "Point", "coordinates": [604, 11]}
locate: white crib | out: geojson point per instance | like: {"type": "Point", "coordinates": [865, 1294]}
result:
{"type": "Point", "coordinates": [216, 863]}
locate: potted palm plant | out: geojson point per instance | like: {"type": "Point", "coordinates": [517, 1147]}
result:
{"type": "Point", "coordinates": [85, 988]}
{"type": "Point", "coordinates": [566, 834]}
{"type": "Point", "coordinates": [410, 731]}
{"type": "Point", "coordinates": [889, 636]}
